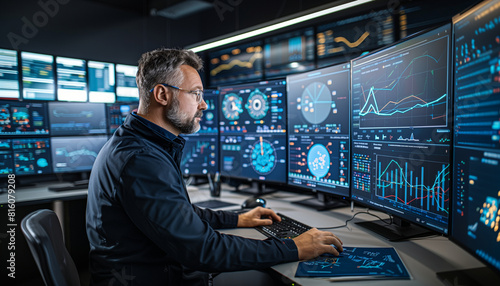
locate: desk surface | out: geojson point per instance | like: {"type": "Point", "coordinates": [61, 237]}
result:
{"type": "Point", "coordinates": [423, 257]}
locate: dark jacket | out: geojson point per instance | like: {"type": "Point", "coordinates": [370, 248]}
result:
{"type": "Point", "coordinates": [142, 227]}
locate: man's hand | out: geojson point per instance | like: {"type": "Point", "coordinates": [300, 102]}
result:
{"type": "Point", "coordinates": [314, 242]}
{"type": "Point", "coordinates": [255, 216]}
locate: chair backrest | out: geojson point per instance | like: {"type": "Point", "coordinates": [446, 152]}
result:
{"type": "Point", "coordinates": [45, 239]}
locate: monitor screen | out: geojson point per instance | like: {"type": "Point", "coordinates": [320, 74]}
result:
{"type": "Point", "coordinates": [200, 155]}
{"type": "Point", "coordinates": [401, 129]}
{"type": "Point", "coordinates": [258, 107]}
{"type": "Point", "coordinates": [236, 64]}
{"type": "Point", "coordinates": [77, 118]}
{"type": "Point", "coordinates": [71, 79]}
{"type": "Point", "coordinates": [289, 53]}
{"type": "Point", "coordinates": [201, 152]}
{"type": "Point", "coordinates": [9, 75]}
{"type": "Point", "coordinates": [6, 160]}
{"type": "Point", "coordinates": [342, 40]}
{"type": "Point", "coordinates": [76, 153]}
{"type": "Point", "coordinates": [23, 118]}
{"type": "Point", "coordinates": [117, 114]}
{"type": "Point", "coordinates": [210, 121]}
{"type": "Point", "coordinates": [253, 130]}
{"type": "Point", "coordinates": [126, 86]}
{"type": "Point", "coordinates": [31, 156]}
{"type": "Point", "coordinates": [258, 157]}
{"type": "Point", "coordinates": [38, 76]}
{"type": "Point", "coordinates": [101, 82]}
{"type": "Point", "coordinates": [318, 129]}
{"type": "Point", "coordinates": [476, 190]}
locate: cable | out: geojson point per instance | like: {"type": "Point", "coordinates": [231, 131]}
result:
{"type": "Point", "coordinates": [354, 215]}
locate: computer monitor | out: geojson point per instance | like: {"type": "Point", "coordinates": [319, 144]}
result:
{"type": "Point", "coordinates": [475, 215]}
{"type": "Point", "coordinates": [9, 75]}
{"type": "Point", "coordinates": [25, 156]}
{"type": "Point", "coordinates": [31, 156]}
{"type": "Point", "coordinates": [401, 132]}
{"type": "Point", "coordinates": [77, 118]}
{"type": "Point", "coordinates": [253, 131]}
{"type": "Point", "coordinates": [38, 76]}
{"type": "Point", "coordinates": [126, 86]}
{"type": "Point", "coordinates": [289, 53]}
{"type": "Point", "coordinates": [342, 40]}
{"type": "Point", "coordinates": [6, 161]}
{"type": "Point", "coordinates": [71, 79]}
{"type": "Point", "coordinates": [242, 63]}
{"type": "Point", "coordinates": [117, 113]}
{"type": "Point", "coordinates": [75, 153]}
{"type": "Point", "coordinates": [318, 133]}
{"type": "Point", "coordinates": [200, 155]}
{"type": "Point", "coordinates": [101, 82]}
{"type": "Point", "coordinates": [23, 118]}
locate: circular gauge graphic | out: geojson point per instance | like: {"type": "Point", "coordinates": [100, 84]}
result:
{"type": "Point", "coordinates": [42, 163]}
{"type": "Point", "coordinates": [263, 157]}
{"type": "Point", "coordinates": [209, 116]}
{"type": "Point", "coordinates": [315, 103]}
{"type": "Point", "coordinates": [318, 160]}
{"type": "Point", "coordinates": [231, 106]}
{"type": "Point", "coordinates": [257, 104]}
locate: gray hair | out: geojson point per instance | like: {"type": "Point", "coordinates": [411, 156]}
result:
{"type": "Point", "coordinates": [162, 66]}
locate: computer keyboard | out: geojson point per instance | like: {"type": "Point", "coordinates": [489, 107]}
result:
{"type": "Point", "coordinates": [286, 228]}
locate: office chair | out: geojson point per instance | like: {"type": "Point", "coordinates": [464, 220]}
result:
{"type": "Point", "coordinates": [45, 239]}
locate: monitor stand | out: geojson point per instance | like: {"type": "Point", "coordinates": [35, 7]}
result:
{"type": "Point", "coordinates": [397, 231]}
{"type": "Point", "coordinates": [323, 202]}
{"type": "Point", "coordinates": [256, 189]}
{"type": "Point", "coordinates": [474, 276]}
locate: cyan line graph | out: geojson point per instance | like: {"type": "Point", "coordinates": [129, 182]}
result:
{"type": "Point", "coordinates": [406, 90]}
{"type": "Point", "coordinates": [414, 183]}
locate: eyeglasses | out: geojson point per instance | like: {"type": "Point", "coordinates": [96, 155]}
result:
{"type": "Point", "coordinates": [197, 93]}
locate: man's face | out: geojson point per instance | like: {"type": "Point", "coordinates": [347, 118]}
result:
{"type": "Point", "coordinates": [185, 112]}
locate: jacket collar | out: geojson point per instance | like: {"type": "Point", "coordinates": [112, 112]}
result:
{"type": "Point", "coordinates": [154, 132]}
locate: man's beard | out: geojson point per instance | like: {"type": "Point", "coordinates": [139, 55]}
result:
{"type": "Point", "coordinates": [182, 121]}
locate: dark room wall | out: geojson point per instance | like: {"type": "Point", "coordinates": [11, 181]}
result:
{"type": "Point", "coordinates": [81, 29]}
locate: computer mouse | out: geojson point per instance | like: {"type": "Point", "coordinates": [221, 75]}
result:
{"type": "Point", "coordinates": [253, 202]}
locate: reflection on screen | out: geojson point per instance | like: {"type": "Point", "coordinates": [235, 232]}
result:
{"type": "Point", "coordinates": [38, 76]}
{"type": "Point", "coordinates": [71, 79]}
{"type": "Point", "coordinates": [75, 154]}
{"type": "Point", "coordinates": [101, 82]}
{"type": "Point", "coordinates": [126, 86]}
{"type": "Point", "coordinates": [23, 118]}
{"type": "Point", "coordinates": [77, 118]}
{"type": "Point", "coordinates": [9, 76]}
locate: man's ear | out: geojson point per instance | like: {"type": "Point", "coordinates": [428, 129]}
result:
{"type": "Point", "coordinates": [162, 95]}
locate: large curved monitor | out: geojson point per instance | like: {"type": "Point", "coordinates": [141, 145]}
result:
{"type": "Point", "coordinates": [318, 130]}
{"type": "Point", "coordinates": [475, 219]}
{"type": "Point", "coordinates": [401, 131]}
{"type": "Point", "coordinates": [252, 130]}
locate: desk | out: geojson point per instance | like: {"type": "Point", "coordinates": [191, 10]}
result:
{"type": "Point", "coordinates": [423, 257]}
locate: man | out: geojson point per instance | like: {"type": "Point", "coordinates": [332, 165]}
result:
{"type": "Point", "coordinates": [142, 228]}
